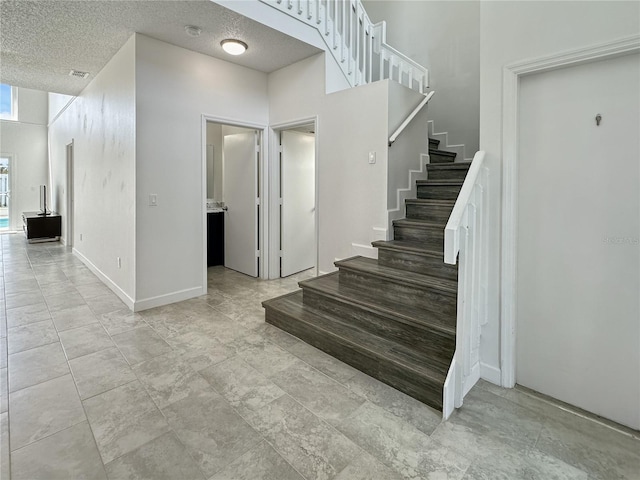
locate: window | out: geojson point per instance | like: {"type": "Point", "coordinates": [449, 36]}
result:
{"type": "Point", "coordinates": [8, 102]}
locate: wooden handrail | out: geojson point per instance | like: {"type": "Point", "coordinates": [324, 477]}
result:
{"type": "Point", "coordinates": [411, 116]}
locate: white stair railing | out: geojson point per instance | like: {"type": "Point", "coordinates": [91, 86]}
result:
{"type": "Point", "coordinates": [465, 241]}
{"type": "Point", "coordinates": [358, 45]}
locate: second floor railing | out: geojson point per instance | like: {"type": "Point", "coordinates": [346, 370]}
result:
{"type": "Point", "coordinates": [358, 45]}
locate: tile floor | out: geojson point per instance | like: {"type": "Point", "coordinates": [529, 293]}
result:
{"type": "Point", "coordinates": [204, 389]}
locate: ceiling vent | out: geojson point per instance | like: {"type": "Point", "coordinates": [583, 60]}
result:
{"type": "Point", "coordinates": [78, 73]}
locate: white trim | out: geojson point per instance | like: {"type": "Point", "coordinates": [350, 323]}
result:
{"type": "Point", "coordinates": [273, 177]}
{"type": "Point", "coordinates": [490, 373]}
{"type": "Point", "coordinates": [263, 226]}
{"type": "Point", "coordinates": [106, 280]}
{"type": "Point", "coordinates": [168, 298]}
{"type": "Point", "coordinates": [364, 250]}
{"type": "Point", "coordinates": [12, 226]}
{"type": "Point", "coordinates": [510, 82]}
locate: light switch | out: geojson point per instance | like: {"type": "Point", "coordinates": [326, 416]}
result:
{"type": "Point", "coordinates": [153, 200]}
{"type": "Point", "coordinates": [372, 157]}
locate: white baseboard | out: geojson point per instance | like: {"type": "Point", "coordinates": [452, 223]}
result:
{"type": "Point", "coordinates": [129, 302]}
{"type": "Point", "coordinates": [364, 250]}
{"type": "Point", "coordinates": [168, 298]}
{"type": "Point", "coordinates": [490, 374]}
{"type": "Point", "coordinates": [410, 192]}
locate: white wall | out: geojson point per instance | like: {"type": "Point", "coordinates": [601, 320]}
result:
{"type": "Point", "coordinates": [26, 141]}
{"type": "Point", "coordinates": [101, 123]}
{"type": "Point", "coordinates": [443, 36]}
{"type": "Point", "coordinates": [352, 195]}
{"type": "Point", "coordinates": [514, 31]}
{"type": "Point", "coordinates": [174, 88]}
{"type": "Point", "coordinates": [57, 103]}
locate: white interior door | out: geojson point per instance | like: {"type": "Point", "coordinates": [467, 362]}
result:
{"type": "Point", "coordinates": [578, 316]}
{"type": "Point", "coordinates": [298, 221]}
{"type": "Point", "coordinates": [240, 187]}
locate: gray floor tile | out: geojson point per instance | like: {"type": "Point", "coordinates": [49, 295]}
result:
{"type": "Point", "coordinates": [42, 410]}
{"type": "Point", "coordinates": [123, 419]}
{"type": "Point", "coordinates": [213, 433]}
{"type": "Point", "coordinates": [22, 299]}
{"type": "Point", "coordinates": [105, 303]}
{"type": "Point", "coordinates": [510, 464]}
{"type": "Point", "coordinates": [311, 446]}
{"type": "Point", "coordinates": [241, 385]}
{"type": "Point", "coordinates": [164, 458]}
{"type": "Point", "coordinates": [121, 321]}
{"type": "Point", "coordinates": [140, 344]}
{"type": "Point", "coordinates": [84, 340]}
{"type": "Point", "coordinates": [320, 394]}
{"type": "Point", "coordinates": [399, 404]}
{"type": "Point", "coordinates": [71, 453]}
{"type": "Point", "coordinates": [19, 316]}
{"type": "Point", "coordinates": [100, 371]}
{"type": "Point", "coordinates": [401, 446]}
{"type": "Point", "coordinates": [31, 335]}
{"type": "Point", "coordinates": [366, 467]}
{"type": "Point", "coordinates": [3, 352]}
{"type": "Point", "coordinates": [5, 459]}
{"type": "Point", "coordinates": [92, 290]}
{"type": "Point", "coordinates": [200, 349]}
{"type": "Point", "coordinates": [261, 462]}
{"type": "Point", "coordinates": [4, 390]}
{"type": "Point", "coordinates": [36, 365]}
{"type": "Point", "coordinates": [263, 355]}
{"type": "Point", "coordinates": [22, 286]}
{"type": "Point", "coordinates": [73, 317]}
{"type": "Point", "coordinates": [55, 289]}
{"type": "Point", "coordinates": [493, 416]}
{"type": "Point", "coordinates": [168, 379]}
{"type": "Point", "coordinates": [63, 301]}
{"type": "Point", "coordinates": [596, 449]}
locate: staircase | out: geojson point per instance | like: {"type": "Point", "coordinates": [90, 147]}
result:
{"type": "Point", "coordinates": [393, 318]}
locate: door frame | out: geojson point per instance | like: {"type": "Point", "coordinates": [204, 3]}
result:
{"type": "Point", "coordinates": [510, 140]}
{"type": "Point", "coordinates": [70, 192]}
{"type": "Point", "coordinates": [11, 211]}
{"type": "Point", "coordinates": [274, 192]}
{"type": "Point", "coordinates": [263, 165]}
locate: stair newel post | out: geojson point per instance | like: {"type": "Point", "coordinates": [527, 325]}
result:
{"type": "Point", "coordinates": [484, 251]}
{"type": "Point", "coordinates": [463, 285]}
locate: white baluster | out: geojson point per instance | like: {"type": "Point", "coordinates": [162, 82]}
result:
{"type": "Point", "coordinates": [319, 11]}
{"type": "Point", "coordinates": [289, 4]}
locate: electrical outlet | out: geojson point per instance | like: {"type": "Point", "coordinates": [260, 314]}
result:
{"type": "Point", "coordinates": [372, 157]}
{"type": "Point", "coordinates": [119, 262]}
{"type": "Point", "coordinates": [153, 200]}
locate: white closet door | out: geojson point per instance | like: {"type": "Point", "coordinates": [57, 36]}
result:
{"type": "Point", "coordinates": [298, 218]}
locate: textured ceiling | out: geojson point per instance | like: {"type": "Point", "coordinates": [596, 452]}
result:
{"type": "Point", "coordinates": [42, 40]}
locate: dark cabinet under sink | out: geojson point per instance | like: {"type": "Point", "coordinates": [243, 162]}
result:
{"type": "Point", "coordinates": [215, 239]}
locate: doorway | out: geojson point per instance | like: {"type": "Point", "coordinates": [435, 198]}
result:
{"type": "Point", "coordinates": [233, 198]}
{"type": "Point", "coordinates": [70, 196]}
{"type": "Point", "coordinates": [297, 166]}
{"type": "Point", "coordinates": [578, 201]}
{"type": "Point", "coordinates": [5, 193]}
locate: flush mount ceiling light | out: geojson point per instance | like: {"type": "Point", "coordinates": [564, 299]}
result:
{"type": "Point", "coordinates": [233, 47]}
{"type": "Point", "coordinates": [192, 30]}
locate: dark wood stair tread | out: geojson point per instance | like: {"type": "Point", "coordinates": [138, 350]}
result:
{"type": "Point", "coordinates": [371, 266]}
{"type": "Point", "coordinates": [430, 202]}
{"type": "Point", "coordinates": [439, 182]}
{"type": "Point", "coordinates": [372, 345]}
{"type": "Point", "coordinates": [442, 152]}
{"type": "Point", "coordinates": [449, 166]}
{"type": "Point", "coordinates": [329, 285]}
{"type": "Point", "coordinates": [418, 223]}
{"type": "Point", "coordinates": [409, 246]}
